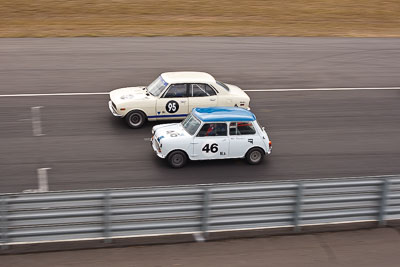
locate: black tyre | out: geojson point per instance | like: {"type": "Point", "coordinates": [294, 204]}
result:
{"type": "Point", "coordinates": [255, 156]}
{"type": "Point", "coordinates": [177, 159]}
{"type": "Point", "coordinates": [135, 119]}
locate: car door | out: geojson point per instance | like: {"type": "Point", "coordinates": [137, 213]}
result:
{"type": "Point", "coordinates": [173, 103]}
{"type": "Point", "coordinates": [202, 95]}
{"type": "Point", "coordinates": [242, 136]}
{"type": "Point", "coordinates": [211, 142]}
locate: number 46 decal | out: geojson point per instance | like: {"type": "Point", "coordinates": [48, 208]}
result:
{"type": "Point", "coordinates": [213, 148]}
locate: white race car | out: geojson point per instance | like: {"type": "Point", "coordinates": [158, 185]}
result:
{"type": "Point", "coordinates": [212, 133]}
{"type": "Point", "coordinates": [172, 96]}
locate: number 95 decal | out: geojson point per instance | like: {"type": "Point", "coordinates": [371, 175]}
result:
{"type": "Point", "coordinates": [172, 106]}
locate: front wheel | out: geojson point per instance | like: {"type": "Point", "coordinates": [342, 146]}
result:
{"type": "Point", "coordinates": [135, 119]}
{"type": "Point", "coordinates": [255, 156]}
{"type": "Point", "coordinates": [177, 159]}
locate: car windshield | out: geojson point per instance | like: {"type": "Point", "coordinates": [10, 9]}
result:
{"type": "Point", "coordinates": [157, 86]}
{"type": "Point", "coordinates": [191, 124]}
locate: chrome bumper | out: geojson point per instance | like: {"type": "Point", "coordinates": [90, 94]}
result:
{"type": "Point", "coordinates": [113, 111]}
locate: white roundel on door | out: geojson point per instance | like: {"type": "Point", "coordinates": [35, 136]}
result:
{"type": "Point", "coordinates": [172, 106]}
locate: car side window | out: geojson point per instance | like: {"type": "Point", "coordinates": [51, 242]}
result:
{"type": "Point", "coordinates": [176, 90]}
{"type": "Point", "coordinates": [241, 128]}
{"type": "Point", "coordinates": [210, 90]}
{"type": "Point", "coordinates": [232, 128]}
{"type": "Point", "coordinates": [213, 129]}
{"type": "Point", "coordinates": [200, 90]}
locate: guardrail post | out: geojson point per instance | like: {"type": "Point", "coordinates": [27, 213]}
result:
{"type": "Point", "coordinates": [383, 205]}
{"type": "Point", "coordinates": [206, 212]}
{"type": "Point", "coordinates": [3, 223]}
{"type": "Point", "coordinates": [298, 207]}
{"type": "Point", "coordinates": [107, 216]}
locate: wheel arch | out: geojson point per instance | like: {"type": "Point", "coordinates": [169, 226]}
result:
{"type": "Point", "coordinates": [139, 118]}
{"type": "Point", "coordinates": [136, 109]}
{"type": "Point", "coordinates": [262, 149]}
{"type": "Point", "coordinates": [177, 149]}
{"type": "Point", "coordinates": [181, 161]}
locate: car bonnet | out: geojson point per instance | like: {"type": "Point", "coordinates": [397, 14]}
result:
{"type": "Point", "coordinates": [129, 94]}
{"type": "Point", "coordinates": [170, 131]}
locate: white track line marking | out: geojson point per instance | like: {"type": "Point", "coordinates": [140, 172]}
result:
{"type": "Point", "coordinates": [247, 90]}
{"type": "Point", "coordinates": [43, 182]}
{"type": "Point", "coordinates": [199, 237]}
{"type": "Point", "coordinates": [54, 94]}
{"type": "Point", "coordinates": [322, 89]}
{"type": "Point", "coordinates": [36, 122]}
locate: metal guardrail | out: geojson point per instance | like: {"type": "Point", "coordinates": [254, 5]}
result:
{"type": "Point", "coordinates": [113, 213]}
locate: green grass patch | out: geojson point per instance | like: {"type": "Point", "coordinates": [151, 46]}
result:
{"type": "Point", "coordinates": [43, 18]}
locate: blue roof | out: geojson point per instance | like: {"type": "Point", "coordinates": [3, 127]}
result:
{"type": "Point", "coordinates": [223, 114]}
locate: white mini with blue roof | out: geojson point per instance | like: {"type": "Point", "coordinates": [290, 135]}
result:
{"type": "Point", "coordinates": [172, 96]}
{"type": "Point", "coordinates": [212, 133]}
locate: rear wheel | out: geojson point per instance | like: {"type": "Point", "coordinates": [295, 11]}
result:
{"type": "Point", "coordinates": [177, 159]}
{"type": "Point", "coordinates": [255, 156]}
{"type": "Point", "coordinates": [135, 119]}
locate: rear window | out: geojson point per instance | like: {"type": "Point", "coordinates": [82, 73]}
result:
{"type": "Point", "coordinates": [241, 128]}
{"type": "Point", "coordinates": [199, 90]}
{"type": "Point", "coordinates": [223, 85]}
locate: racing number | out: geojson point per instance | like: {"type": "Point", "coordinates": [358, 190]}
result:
{"type": "Point", "coordinates": [213, 148]}
{"type": "Point", "coordinates": [172, 106]}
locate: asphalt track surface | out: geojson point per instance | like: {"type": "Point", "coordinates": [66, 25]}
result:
{"type": "Point", "coordinates": [363, 248]}
{"type": "Point", "coordinates": [315, 134]}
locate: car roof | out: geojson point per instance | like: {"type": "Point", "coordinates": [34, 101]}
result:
{"type": "Point", "coordinates": [187, 77]}
{"type": "Point", "coordinates": [213, 114]}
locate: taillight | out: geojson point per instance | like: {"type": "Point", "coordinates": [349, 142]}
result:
{"type": "Point", "coordinates": [270, 144]}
